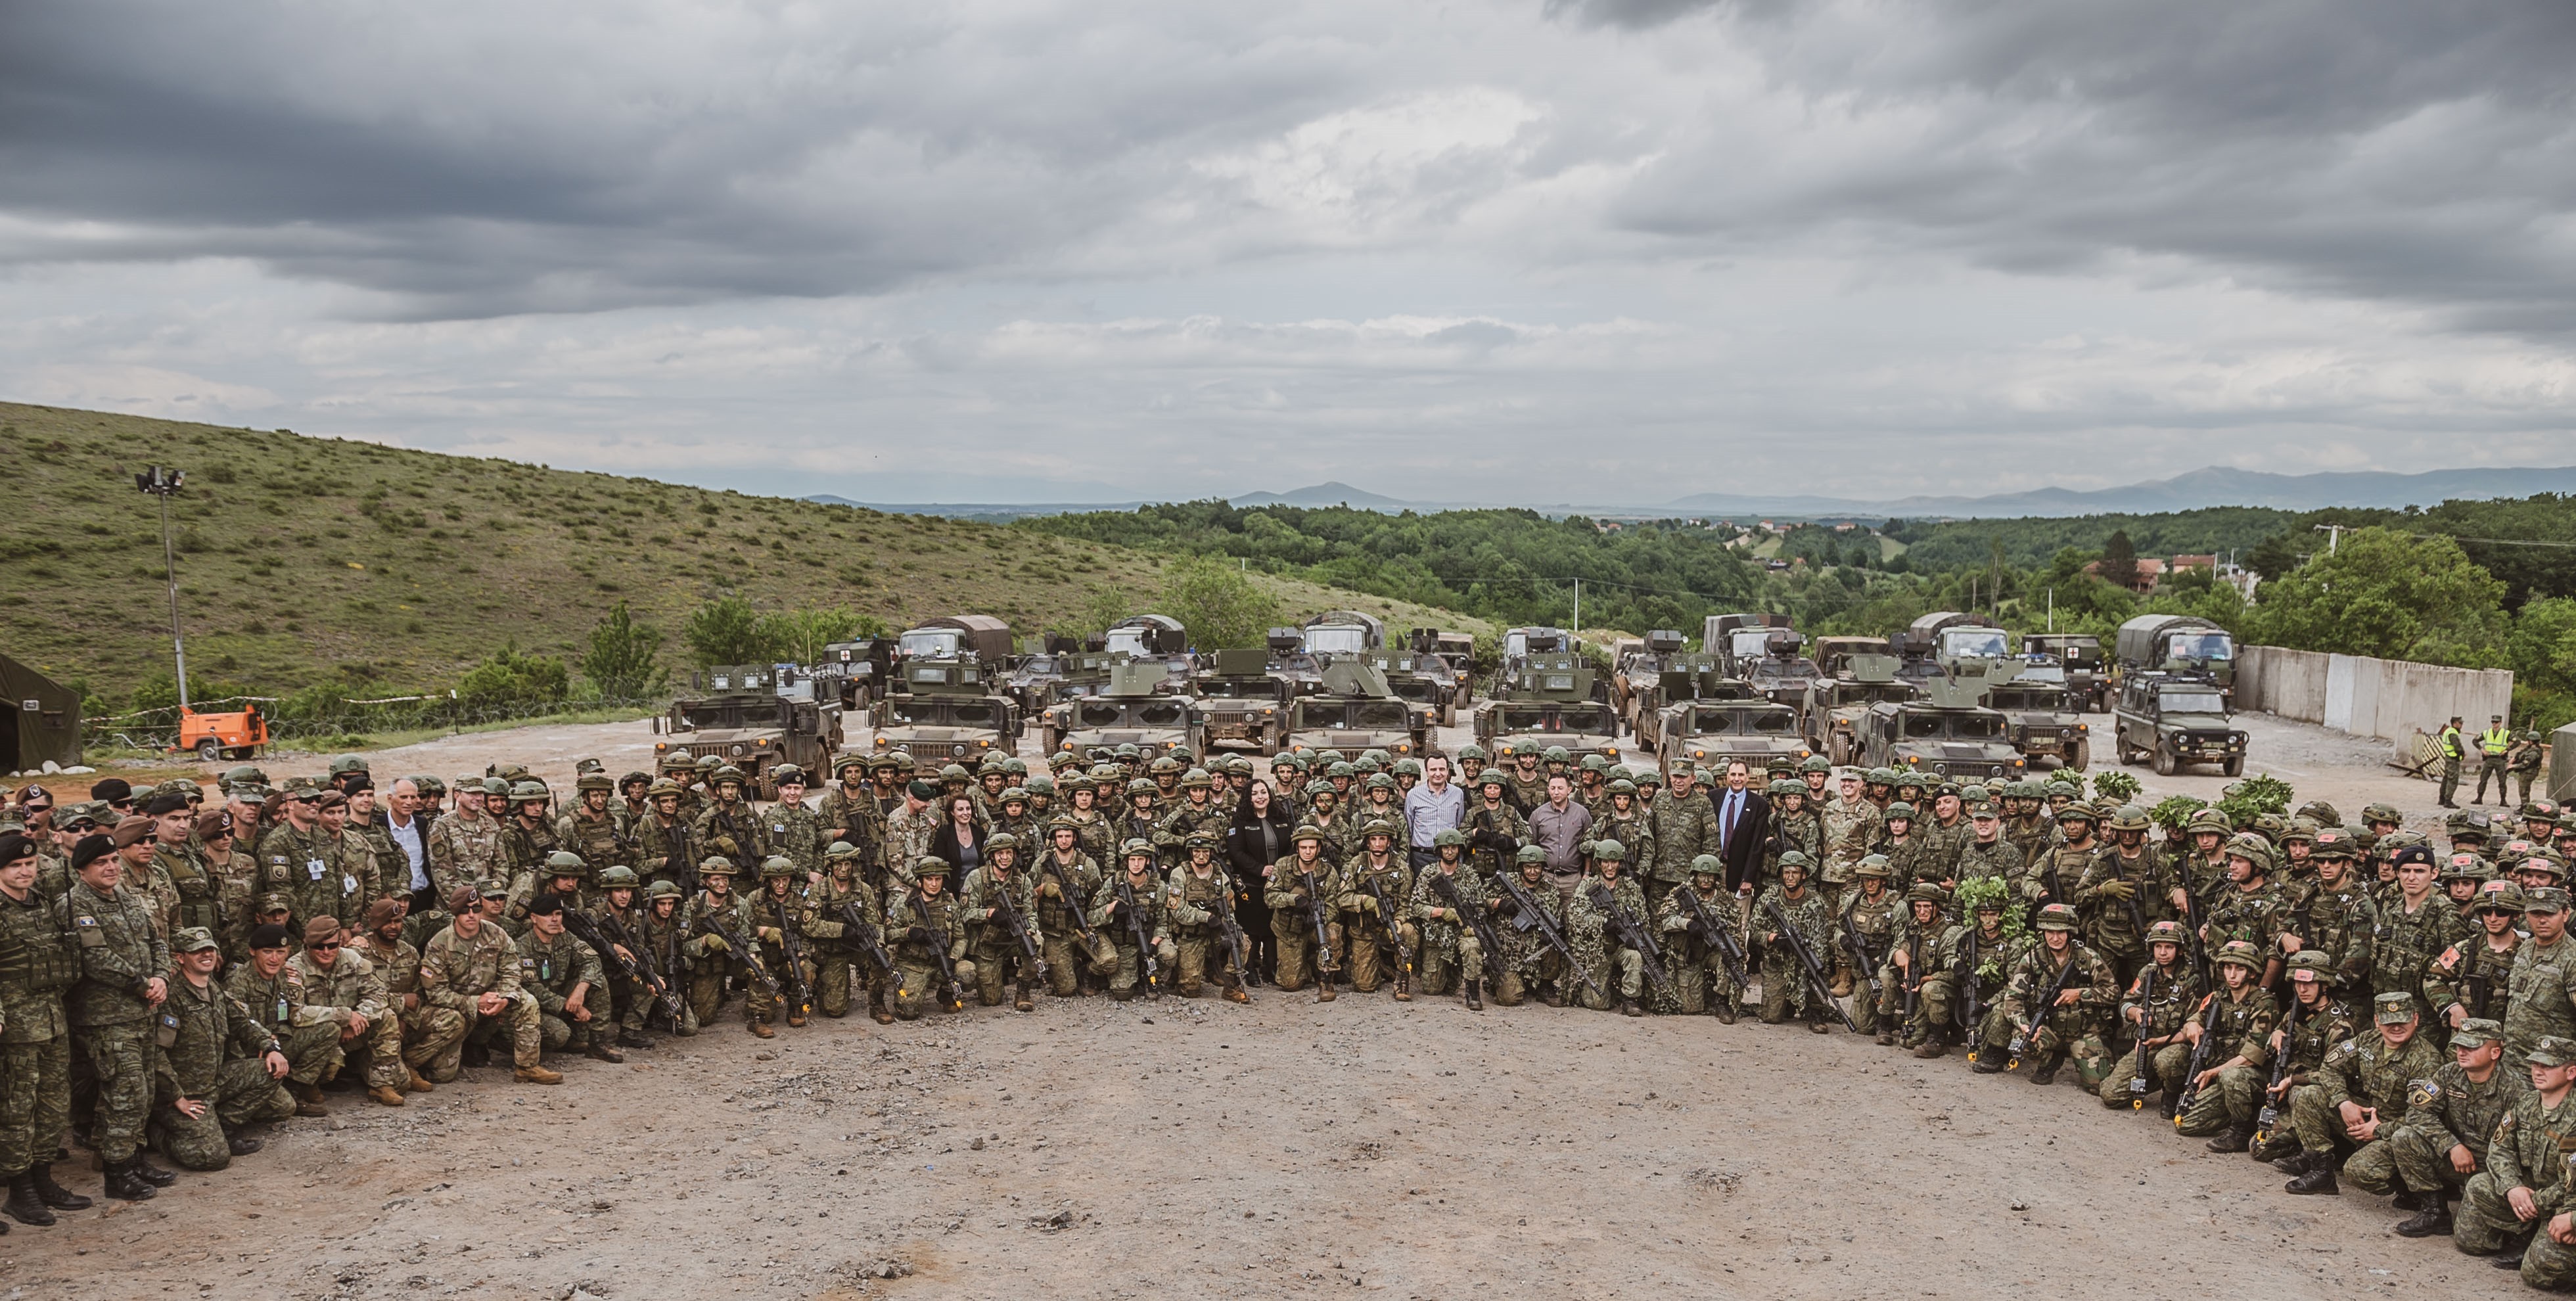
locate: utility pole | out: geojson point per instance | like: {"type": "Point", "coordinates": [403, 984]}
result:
{"type": "Point", "coordinates": [2052, 609]}
{"type": "Point", "coordinates": [2334, 535]}
{"type": "Point", "coordinates": [164, 483]}
{"type": "Point", "coordinates": [1578, 606]}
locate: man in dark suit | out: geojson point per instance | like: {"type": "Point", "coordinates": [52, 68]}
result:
{"type": "Point", "coordinates": [1743, 822]}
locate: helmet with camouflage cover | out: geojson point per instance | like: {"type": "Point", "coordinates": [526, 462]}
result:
{"type": "Point", "coordinates": [727, 773]}
{"type": "Point", "coordinates": [564, 862]}
{"type": "Point", "coordinates": [1900, 809]}
{"type": "Point", "coordinates": [1165, 766]}
{"type": "Point", "coordinates": [1306, 831]}
{"type": "Point", "coordinates": [2271, 826]}
{"type": "Point", "coordinates": [991, 762]}
{"type": "Point", "coordinates": [2056, 917]}
{"type": "Point", "coordinates": [2060, 789]}
{"type": "Point", "coordinates": [2500, 896]}
{"type": "Point", "coordinates": [1377, 756]}
{"type": "Point", "coordinates": [1126, 750]}
{"type": "Point", "coordinates": [1796, 858]}
{"type": "Point", "coordinates": [2462, 866]}
{"type": "Point", "coordinates": [2165, 932]}
{"type": "Point", "coordinates": [1320, 787]}
{"type": "Point", "coordinates": [1608, 851]}
{"type": "Point", "coordinates": [2380, 811]}
{"type": "Point", "coordinates": [1330, 756]}
{"type": "Point", "coordinates": [594, 781]}
{"type": "Point", "coordinates": [1445, 839]}
{"type": "Point", "coordinates": [1926, 892]}
{"type": "Point", "coordinates": [1136, 845]}
{"type": "Point", "coordinates": [662, 889]}
{"type": "Point", "coordinates": [929, 865]}
{"type": "Point", "coordinates": [1037, 786]}
{"type": "Point", "coordinates": [2299, 829]}
{"type": "Point", "coordinates": [1530, 856]}
{"type": "Point", "coordinates": [955, 772]}
{"type": "Point", "coordinates": [717, 865]}
{"type": "Point", "coordinates": [2131, 817]}
{"type": "Point", "coordinates": [2250, 847]}
{"type": "Point", "coordinates": [1378, 827]}
{"type": "Point", "coordinates": [526, 791]}
{"type": "Point", "coordinates": [1001, 840]}
{"type": "Point", "coordinates": [1139, 786]}
{"type": "Point", "coordinates": [2332, 842]}
{"type": "Point", "coordinates": [1199, 840]}
{"type": "Point", "coordinates": [2312, 961]}
{"type": "Point", "coordinates": [661, 787]}
{"type": "Point", "coordinates": [1378, 781]}
{"type": "Point", "coordinates": [2239, 953]}
{"type": "Point", "coordinates": [777, 866]}
{"type": "Point", "coordinates": [1873, 866]}
{"type": "Point", "coordinates": [618, 876]}
{"type": "Point", "coordinates": [1623, 786]}
{"type": "Point", "coordinates": [2208, 819]}
{"type": "Point", "coordinates": [1019, 794]}
{"type": "Point", "coordinates": [1556, 754]}
{"type": "Point", "coordinates": [1340, 768]}
{"type": "Point", "coordinates": [708, 763]}
{"type": "Point", "coordinates": [1408, 767]}
{"type": "Point", "coordinates": [839, 850]}
{"type": "Point", "coordinates": [2076, 812]}
{"type": "Point", "coordinates": [2320, 813]}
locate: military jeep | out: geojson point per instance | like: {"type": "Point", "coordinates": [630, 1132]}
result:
{"type": "Point", "coordinates": [1714, 733]}
{"type": "Point", "coordinates": [1547, 700]}
{"type": "Point", "coordinates": [2045, 723]}
{"type": "Point", "coordinates": [1355, 710]}
{"type": "Point", "coordinates": [746, 716]}
{"type": "Point", "coordinates": [1241, 702]}
{"type": "Point", "coordinates": [1836, 706]}
{"type": "Point", "coordinates": [944, 711]}
{"type": "Point", "coordinates": [1948, 732]}
{"type": "Point", "coordinates": [2170, 720]}
{"type": "Point", "coordinates": [1128, 711]}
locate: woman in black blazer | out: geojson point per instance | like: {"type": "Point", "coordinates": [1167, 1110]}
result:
{"type": "Point", "coordinates": [1257, 838]}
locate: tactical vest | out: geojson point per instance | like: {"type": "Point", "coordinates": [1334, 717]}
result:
{"type": "Point", "coordinates": [35, 956]}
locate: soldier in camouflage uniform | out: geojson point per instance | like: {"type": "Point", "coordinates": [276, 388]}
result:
{"type": "Point", "coordinates": [1443, 892]}
{"type": "Point", "coordinates": [273, 991]}
{"type": "Point", "coordinates": [220, 1070]}
{"type": "Point", "coordinates": [1945, 835]}
{"type": "Point", "coordinates": [2249, 909]}
{"type": "Point", "coordinates": [2314, 1023]}
{"type": "Point", "coordinates": [1195, 813]}
{"type": "Point", "coordinates": [666, 845]}
{"type": "Point", "coordinates": [999, 959]}
{"type": "Point", "coordinates": [1987, 855]}
{"type": "Point", "coordinates": [38, 962]}
{"type": "Point", "coordinates": [593, 830]}
{"type": "Point", "coordinates": [124, 965]}
{"type": "Point", "coordinates": [1127, 911]}
{"type": "Point", "coordinates": [1495, 830]}
{"type": "Point", "coordinates": [2413, 926]}
{"type": "Point", "coordinates": [794, 832]}
{"type": "Point", "coordinates": [1067, 879]}
{"type": "Point", "coordinates": [1852, 829]}
{"type": "Point", "coordinates": [908, 834]}
{"type": "Point", "coordinates": [2542, 995]}
{"type": "Point", "coordinates": [469, 978]}
{"type": "Point", "coordinates": [665, 947]}
{"type": "Point", "coordinates": [836, 948]}
{"type": "Point", "coordinates": [346, 989]}
{"type": "Point", "coordinates": [729, 825]}
{"type": "Point", "coordinates": [849, 810]}
{"type": "Point", "coordinates": [1598, 947]}
{"type": "Point", "coordinates": [1975, 957]}
{"type": "Point", "coordinates": [1297, 882]}
{"type": "Point", "coordinates": [1876, 914]}
{"type": "Point", "coordinates": [2523, 1196]}
{"type": "Point", "coordinates": [199, 895]}
{"type": "Point", "coordinates": [397, 965]}
{"type": "Point", "coordinates": [2362, 1096]}
{"type": "Point", "coordinates": [569, 981]}
{"type": "Point", "coordinates": [2442, 1141]}
{"type": "Point", "coordinates": [776, 920]}
{"type": "Point", "coordinates": [465, 844]}
{"type": "Point", "coordinates": [2123, 891]}
{"type": "Point", "coordinates": [2159, 1003]}
{"type": "Point", "coordinates": [1911, 959]}
{"type": "Point", "coordinates": [2226, 1094]}
{"type": "Point", "coordinates": [1795, 829]}
{"type": "Point", "coordinates": [2331, 912]}
{"type": "Point", "coordinates": [2472, 978]}
{"type": "Point", "coordinates": [1702, 978]}
{"type": "Point", "coordinates": [2060, 864]}
{"type": "Point", "coordinates": [713, 960]}
{"type": "Point", "coordinates": [1785, 987]}
{"type": "Point", "coordinates": [2031, 831]}
{"type": "Point", "coordinates": [1527, 961]}
{"type": "Point", "coordinates": [1191, 902]}
{"type": "Point", "coordinates": [1375, 882]}
{"type": "Point", "coordinates": [1624, 820]}
{"type": "Point", "coordinates": [923, 922]}
{"type": "Point", "coordinates": [1905, 851]}
{"type": "Point", "coordinates": [1684, 825]}
{"type": "Point", "coordinates": [2070, 1024]}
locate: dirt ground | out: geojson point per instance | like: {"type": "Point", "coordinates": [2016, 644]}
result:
{"type": "Point", "coordinates": [1095, 1149]}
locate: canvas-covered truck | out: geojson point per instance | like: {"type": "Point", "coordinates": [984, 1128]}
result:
{"type": "Point", "coordinates": [2181, 645]}
{"type": "Point", "coordinates": [2088, 673]}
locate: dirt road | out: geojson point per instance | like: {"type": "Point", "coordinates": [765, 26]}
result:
{"type": "Point", "coordinates": [1096, 1149]}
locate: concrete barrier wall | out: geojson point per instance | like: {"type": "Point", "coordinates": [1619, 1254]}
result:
{"type": "Point", "coordinates": [2388, 699]}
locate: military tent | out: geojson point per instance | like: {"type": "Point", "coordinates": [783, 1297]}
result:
{"type": "Point", "coordinates": [2561, 776]}
{"type": "Point", "coordinates": [41, 720]}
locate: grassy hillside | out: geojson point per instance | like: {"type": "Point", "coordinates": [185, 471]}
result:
{"type": "Point", "coordinates": [309, 560]}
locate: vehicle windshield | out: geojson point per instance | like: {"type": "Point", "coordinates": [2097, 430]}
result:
{"type": "Point", "coordinates": [1775, 722]}
{"type": "Point", "coordinates": [1417, 689]}
{"type": "Point", "coordinates": [1328, 639]}
{"type": "Point", "coordinates": [1923, 726]}
{"type": "Point", "coordinates": [937, 711]}
{"type": "Point", "coordinates": [728, 713]}
{"type": "Point", "coordinates": [1130, 640]}
{"type": "Point", "coordinates": [2212, 646]}
{"type": "Point", "coordinates": [1561, 718]}
{"type": "Point", "coordinates": [930, 643]}
{"type": "Point", "coordinates": [1980, 643]}
{"type": "Point", "coordinates": [1871, 693]}
{"type": "Point", "coordinates": [1238, 688]}
{"type": "Point", "coordinates": [2192, 702]}
{"type": "Point", "coordinates": [2027, 698]}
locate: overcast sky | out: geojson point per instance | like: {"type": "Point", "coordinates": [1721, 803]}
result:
{"type": "Point", "coordinates": [1615, 251]}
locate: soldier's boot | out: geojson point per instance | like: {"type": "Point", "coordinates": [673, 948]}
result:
{"type": "Point", "coordinates": [1555, 997]}
{"type": "Point", "coordinates": [1628, 1007]}
{"type": "Point", "coordinates": [1931, 1048]}
{"type": "Point", "coordinates": [536, 1075]}
{"type": "Point", "coordinates": [599, 1051]}
{"type": "Point", "coordinates": [761, 1029]}
{"type": "Point", "coordinates": [149, 1173]}
{"type": "Point", "coordinates": [476, 1056]}
{"type": "Point", "coordinates": [1728, 1009]}
{"type": "Point", "coordinates": [2407, 1200]}
{"type": "Point", "coordinates": [2045, 1071]}
{"type": "Point", "coordinates": [55, 1195]}
{"type": "Point", "coordinates": [1475, 996]}
{"type": "Point", "coordinates": [2277, 1145]}
{"type": "Point", "coordinates": [795, 1018]}
{"type": "Point", "coordinates": [419, 1083]}
{"type": "Point", "coordinates": [2319, 1178]}
{"type": "Point", "coordinates": [1815, 1020]}
{"type": "Point", "coordinates": [386, 1094]}
{"type": "Point", "coordinates": [24, 1205]}
{"type": "Point", "coordinates": [2298, 1162]}
{"type": "Point", "coordinates": [1020, 1001]}
{"type": "Point", "coordinates": [2235, 1138]}
{"type": "Point", "coordinates": [2433, 1221]}
{"type": "Point", "coordinates": [629, 1039]}
{"type": "Point", "coordinates": [1323, 991]}
{"type": "Point", "coordinates": [1235, 993]}
{"type": "Point", "coordinates": [1989, 1062]}
{"type": "Point", "coordinates": [877, 1007]}
{"type": "Point", "coordinates": [1403, 986]}
{"type": "Point", "coordinates": [308, 1100]}
{"type": "Point", "coordinates": [124, 1186]}
{"type": "Point", "coordinates": [2510, 1255]}
{"type": "Point", "coordinates": [1886, 1027]}
{"type": "Point", "coordinates": [240, 1145]}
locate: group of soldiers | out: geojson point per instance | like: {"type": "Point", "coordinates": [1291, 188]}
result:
{"type": "Point", "coordinates": [166, 990]}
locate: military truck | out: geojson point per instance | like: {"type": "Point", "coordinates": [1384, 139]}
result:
{"type": "Point", "coordinates": [1714, 732]}
{"type": "Point", "coordinates": [1457, 651]}
{"type": "Point", "coordinates": [1421, 681]}
{"type": "Point", "coordinates": [754, 717]}
{"type": "Point", "coordinates": [1680, 677]}
{"type": "Point", "coordinates": [2044, 722]}
{"type": "Point", "coordinates": [1242, 704]}
{"type": "Point", "coordinates": [1521, 643]}
{"type": "Point", "coordinates": [2088, 681]}
{"type": "Point", "coordinates": [856, 671]}
{"type": "Point", "coordinates": [1344, 632]}
{"type": "Point", "coordinates": [1291, 664]}
{"type": "Point", "coordinates": [1834, 655]}
{"type": "Point", "coordinates": [1947, 732]}
{"type": "Point", "coordinates": [1129, 710]}
{"type": "Point", "coordinates": [1355, 710]}
{"type": "Point", "coordinates": [1836, 705]}
{"type": "Point", "coordinates": [1930, 644]}
{"type": "Point", "coordinates": [1549, 701]}
{"type": "Point", "coordinates": [947, 711]}
{"type": "Point", "coordinates": [2178, 644]}
{"type": "Point", "coordinates": [2171, 720]}
{"type": "Point", "coordinates": [1636, 671]}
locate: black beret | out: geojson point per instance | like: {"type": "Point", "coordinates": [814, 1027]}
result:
{"type": "Point", "coordinates": [268, 935]}
{"type": "Point", "coordinates": [90, 850]}
{"type": "Point", "coordinates": [14, 847]}
{"type": "Point", "coordinates": [111, 788]}
{"type": "Point", "coordinates": [546, 904]}
{"type": "Point", "coordinates": [162, 804]}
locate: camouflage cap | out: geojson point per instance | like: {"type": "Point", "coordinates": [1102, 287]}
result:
{"type": "Point", "coordinates": [2056, 917]}
{"type": "Point", "coordinates": [274, 903]}
{"type": "Point", "coordinates": [2551, 1050]}
{"type": "Point", "coordinates": [2238, 953]}
{"type": "Point", "coordinates": [2476, 1032]}
{"type": "Point", "coordinates": [2544, 899]}
{"type": "Point", "coordinates": [193, 939]}
{"type": "Point", "coordinates": [2396, 1007]}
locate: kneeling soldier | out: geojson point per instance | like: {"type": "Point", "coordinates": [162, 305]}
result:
{"type": "Point", "coordinates": [568, 981]}
{"type": "Point", "coordinates": [925, 925]}
{"type": "Point", "coordinates": [220, 1068]}
{"type": "Point", "coordinates": [342, 985]}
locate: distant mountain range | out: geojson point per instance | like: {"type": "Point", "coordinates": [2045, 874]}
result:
{"type": "Point", "coordinates": [2209, 486]}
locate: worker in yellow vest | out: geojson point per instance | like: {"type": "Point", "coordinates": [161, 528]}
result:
{"type": "Point", "coordinates": [2451, 746]}
{"type": "Point", "coordinates": [2492, 743]}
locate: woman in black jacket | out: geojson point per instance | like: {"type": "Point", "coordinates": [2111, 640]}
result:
{"type": "Point", "coordinates": [960, 840]}
{"type": "Point", "coordinates": [1257, 838]}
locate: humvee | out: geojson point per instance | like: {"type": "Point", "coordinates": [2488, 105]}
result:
{"type": "Point", "coordinates": [1946, 733]}
{"type": "Point", "coordinates": [749, 716]}
{"type": "Point", "coordinates": [1127, 711]}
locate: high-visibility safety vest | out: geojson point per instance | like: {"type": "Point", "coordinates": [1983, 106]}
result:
{"type": "Point", "coordinates": [2495, 740]}
{"type": "Point", "coordinates": [2450, 743]}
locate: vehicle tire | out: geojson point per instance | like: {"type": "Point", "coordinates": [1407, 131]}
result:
{"type": "Point", "coordinates": [208, 752]}
{"type": "Point", "coordinates": [2164, 761]}
{"type": "Point", "coordinates": [2235, 766]}
{"type": "Point", "coordinates": [1838, 750]}
{"type": "Point", "coordinates": [2081, 757]}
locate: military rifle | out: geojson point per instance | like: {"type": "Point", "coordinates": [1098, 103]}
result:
{"type": "Point", "coordinates": [1861, 960]}
{"type": "Point", "coordinates": [2180, 1103]}
{"type": "Point", "coordinates": [1912, 979]}
{"type": "Point", "coordinates": [2145, 1065]}
{"type": "Point", "coordinates": [1009, 912]}
{"type": "Point", "coordinates": [742, 949]}
{"type": "Point", "coordinates": [1324, 961]}
{"type": "Point", "coordinates": [1816, 980]}
{"type": "Point", "coordinates": [856, 927]}
{"type": "Point", "coordinates": [1074, 903]}
{"type": "Point", "coordinates": [1136, 931]}
{"type": "Point", "coordinates": [1633, 934]}
{"type": "Point", "coordinates": [801, 994]}
{"type": "Point", "coordinates": [1530, 917]}
{"type": "Point", "coordinates": [1969, 984]}
{"type": "Point", "coordinates": [2268, 1117]}
{"type": "Point", "coordinates": [1374, 885]}
{"type": "Point", "coordinates": [1237, 943]}
{"type": "Point", "coordinates": [2047, 1003]}
{"type": "Point", "coordinates": [587, 929]}
{"type": "Point", "coordinates": [1705, 924]}
{"type": "Point", "coordinates": [949, 987]}
{"type": "Point", "coordinates": [1446, 886]}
